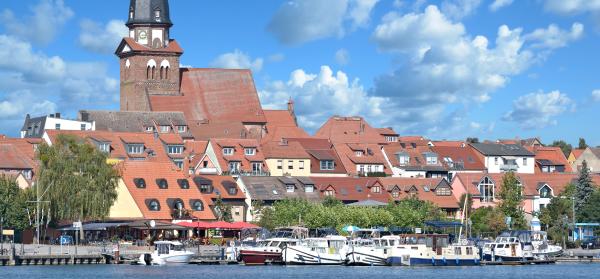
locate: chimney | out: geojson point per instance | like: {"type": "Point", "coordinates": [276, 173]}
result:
{"type": "Point", "coordinates": [84, 115]}
{"type": "Point", "coordinates": [290, 105]}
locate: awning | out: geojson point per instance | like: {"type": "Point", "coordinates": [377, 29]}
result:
{"type": "Point", "coordinates": [93, 226]}
{"type": "Point", "coordinates": [145, 225]}
{"type": "Point", "coordinates": [218, 225]}
{"type": "Point", "coordinates": [368, 203]}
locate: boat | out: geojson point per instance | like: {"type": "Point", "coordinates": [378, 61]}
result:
{"type": "Point", "coordinates": [542, 249]}
{"type": "Point", "coordinates": [371, 252]}
{"type": "Point", "coordinates": [512, 246]}
{"type": "Point", "coordinates": [433, 250]}
{"type": "Point", "coordinates": [329, 250]}
{"type": "Point", "coordinates": [166, 252]}
{"type": "Point", "coordinates": [269, 251]}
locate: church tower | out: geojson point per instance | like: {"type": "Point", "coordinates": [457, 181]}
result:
{"type": "Point", "coordinates": [149, 59]}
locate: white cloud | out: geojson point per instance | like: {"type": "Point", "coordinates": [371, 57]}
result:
{"type": "Point", "coordinates": [570, 7]}
{"type": "Point", "coordinates": [19, 57]}
{"type": "Point", "coordinates": [318, 96]}
{"type": "Point", "coordinates": [553, 37]}
{"type": "Point", "coordinates": [301, 21]}
{"type": "Point", "coordinates": [539, 110]}
{"type": "Point", "coordinates": [447, 67]}
{"type": "Point", "coordinates": [237, 60]}
{"type": "Point", "coordinates": [102, 39]}
{"type": "Point", "coordinates": [596, 95]}
{"type": "Point", "coordinates": [47, 17]}
{"type": "Point", "coordinates": [457, 9]}
{"type": "Point", "coordinates": [342, 57]}
{"type": "Point", "coordinates": [499, 4]}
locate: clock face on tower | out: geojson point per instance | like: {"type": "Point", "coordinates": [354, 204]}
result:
{"type": "Point", "coordinates": [143, 35]}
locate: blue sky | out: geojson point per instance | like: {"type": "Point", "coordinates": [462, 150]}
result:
{"type": "Point", "coordinates": [446, 69]}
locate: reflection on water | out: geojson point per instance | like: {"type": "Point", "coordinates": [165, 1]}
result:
{"type": "Point", "coordinates": [312, 272]}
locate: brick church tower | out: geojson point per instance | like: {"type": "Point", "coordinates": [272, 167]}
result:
{"type": "Point", "coordinates": [149, 59]}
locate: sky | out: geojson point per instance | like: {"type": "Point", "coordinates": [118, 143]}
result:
{"type": "Point", "coordinates": [446, 69]}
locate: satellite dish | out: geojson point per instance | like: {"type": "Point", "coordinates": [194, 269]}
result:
{"type": "Point", "coordinates": [152, 223]}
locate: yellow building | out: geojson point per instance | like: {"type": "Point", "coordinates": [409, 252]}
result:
{"type": "Point", "coordinates": [285, 158]}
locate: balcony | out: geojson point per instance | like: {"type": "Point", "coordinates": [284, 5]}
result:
{"type": "Point", "coordinates": [246, 173]}
{"type": "Point", "coordinates": [509, 167]}
{"type": "Point", "coordinates": [208, 171]}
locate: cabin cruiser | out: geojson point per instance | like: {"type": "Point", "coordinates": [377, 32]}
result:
{"type": "Point", "coordinates": [373, 252]}
{"type": "Point", "coordinates": [432, 249]}
{"type": "Point", "coordinates": [542, 249]}
{"type": "Point", "coordinates": [329, 250]}
{"type": "Point", "coordinates": [510, 246]}
{"type": "Point", "coordinates": [269, 251]}
{"type": "Point", "coordinates": [166, 252]}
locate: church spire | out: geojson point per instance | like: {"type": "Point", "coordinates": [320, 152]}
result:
{"type": "Point", "coordinates": [149, 22]}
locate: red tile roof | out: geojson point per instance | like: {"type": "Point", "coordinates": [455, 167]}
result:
{"type": "Point", "coordinates": [282, 124]}
{"type": "Point", "coordinates": [217, 95]}
{"type": "Point", "coordinates": [387, 131]}
{"type": "Point", "coordinates": [238, 154]}
{"type": "Point", "coordinates": [320, 149]}
{"type": "Point", "coordinates": [205, 130]}
{"type": "Point", "coordinates": [351, 189]}
{"type": "Point", "coordinates": [350, 130]}
{"type": "Point", "coordinates": [447, 143]}
{"type": "Point", "coordinates": [577, 153]}
{"type": "Point", "coordinates": [150, 172]}
{"type": "Point", "coordinates": [173, 47]}
{"type": "Point", "coordinates": [11, 158]}
{"type": "Point", "coordinates": [463, 157]}
{"type": "Point", "coordinates": [222, 185]}
{"type": "Point", "coordinates": [424, 189]}
{"type": "Point", "coordinates": [553, 155]}
{"type": "Point", "coordinates": [417, 159]}
{"type": "Point", "coordinates": [371, 154]}
{"type": "Point", "coordinates": [284, 149]}
{"type": "Point", "coordinates": [26, 145]}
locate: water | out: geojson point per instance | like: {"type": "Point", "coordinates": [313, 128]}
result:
{"type": "Point", "coordinates": [312, 272]}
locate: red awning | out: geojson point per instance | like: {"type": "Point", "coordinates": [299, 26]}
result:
{"type": "Point", "coordinates": [218, 225]}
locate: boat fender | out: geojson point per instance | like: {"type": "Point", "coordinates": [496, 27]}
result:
{"type": "Point", "coordinates": [432, 261]}
{"type": "Point", "coordinates": [457, 261]}
{"type": "Point", "coordinates": [444, 260]}
{"type": "Point", "coordinates": [148, 259]}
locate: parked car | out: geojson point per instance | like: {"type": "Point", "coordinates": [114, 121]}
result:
{"type": "Point", "coordinates": [591, 243]}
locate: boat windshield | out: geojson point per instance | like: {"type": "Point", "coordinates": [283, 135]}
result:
{"type": "Point", "coordinates": [176, 247]}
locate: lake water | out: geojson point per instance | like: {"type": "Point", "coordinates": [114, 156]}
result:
{"type": "Point", "coordinates": [312, 272]}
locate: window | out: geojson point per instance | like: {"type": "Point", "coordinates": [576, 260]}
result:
{"type": "Point", "coordinates": [205, 188]}
{"type": "Point", "coordinates": [486, 190]}
{"type": "Point", "coordinates": [57, 126]}
{"type": "Point", "coordinates": [175, 149]}
{"type": "Point", "coordinates": [234, 166]}
{"type": "Point", "coordinates": [183, 183]}
{"type": "Point", "coordinates": [545, 192]}
{"type": "Point", "coordinates": [162, 183]}
{"type": "Point", "coordinates": [104, 147]}
{"type": "Point", "coordinates": [157, 14]}
{"type": "Point", "coordinates": [256, 167]}
{"type": "Point", "coordinates": [431, 160]}
{"type": "Point", "coordinates": [358, 153]}
{"type": "Point", "coordinates": [309, 188]}
{"type": "Point", "coordinates": [327, 165]}
{"type": "Point", "coordinates": [249, 151]}
{"type": "Point", "coordinates": [391, 138]}
{"type": "Point", "coordinates": [443, 191]}
{"type": "Point", "coordinates": [139, 183]}
{"type": "Point", "coordinates": [197, 205]}
{"type": "Point", "coordinates": [178, 163]}
{"type": "Point", "coordinates": [27, 174]}
{"type": "Point", "coordinates": [524, 161]}
{"type": "Point", "coordinates": [361, 168]}
{"type": "Point", "coordinates": [181, 129]}
{"type": "Point", "coordinates": [154, 205]}
{"type": "Point", "coordinates": [135, 148]}
{"type": "Point", "coordinates": [395, 193]}
{"type": "Point", "coordinates": [329, 193]}
{"type": "Point", "coordinates": [290, 188]}
{"type": "Point", "coordinates": [164, 129]}
{"type": "Point", "coordinates": [228, 151]}
{"type": "Point", "coordinates": [232, 190]}
{"type": "Point", "coordinates": [376, 189]}
{"type": "Point", "coordinates": [149, 129]}
{"type": "Point", "coordinates": [301, 163]}
{"type": "Point", "coordinates": [496, 161]}
{"type": "Point", "coordinates": [83, 127]}
{"type": "Point", "coordinates": [279, 164]}
{"type": "Point", "coordinates": [290, 165]}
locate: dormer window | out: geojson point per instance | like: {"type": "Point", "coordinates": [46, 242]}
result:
{"type": "Point", "coordinates": [164, 129]}
{"type": "Point", "coordinates": [395, 193]}
{"type": "Point", "coordinates": [139, 183]}
{"type": "Point", "coordinates": [327, 164]}
{"type": "Point", "coordinates": [329, 193]}
{"type": "Point", "coordinates": [150, 129]}
{"type": "Point", "coordinates": [162, 183]}
{"type": "Point", "coordinates": [443, 191]}
{"type": "Point", "coordinates": [157, 15]}
{"type": "Point", "coordinates": [181, 129]}
{"type": "Point", "coordinates": [154, 205]}
{"type": "Point", "coordinates": [104, 147]}
{"type": "Point", "coordinates": [431, 158]}
{"type": "Point", "coordinates": [309, 188]}
{"type": "Point", "coordinates": [228, 151]}
{"type": "Point", "coordinates": [376, 189]}
{"type": "Point", "coordinates": [403, 158]}
{"type": "Point", "coordinates": [290, 188]}
{"type": "Point", "coordinates": [391, 138]}
{"type": "Point", "coordinates": [358, 153]}
{"type": "Point", "coordinates": [249, 151]}
{"type": "Point", "coordinates": [175, 149]}
{"type": "Point", "coordinates": [545, 192]}
{"type": "Point", "coordinates": [232, 190]}
{"type": "Point", "coordinates": [178, 163]}
{"type": "Point", "coordinates": [183, 183]}
{"type": "Point", "coordinates": [205, 188]}
{"type": "Point", "coordinates": [197, 205]}
{"type": "Point", "coordinates": [135, 148]}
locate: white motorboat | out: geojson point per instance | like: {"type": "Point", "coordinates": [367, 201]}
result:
{"type": "Point", "coordinates": [166, 252]}
{"type": "Point", "coordinates": [510, 246]}
{"type": "Point", "coordinates": [329, 250]}
{"type": "Point", "coordinates": [432, 249]}
{"type": "Point", "coordinates": [374, 252]}
{"type": "Point", "coordinates": [542, 249]}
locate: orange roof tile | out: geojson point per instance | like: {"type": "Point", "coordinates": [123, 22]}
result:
{"type": "Point", "coordinates": [371, 154]}
{"type": "Point", "coordinates": [238, 154]}
{"type": "Point", "coordinates": [282, 124]}
{"type": "Point", "coordinates": [549, 155]}
{"type": "Point", "coordinates": [424, 190]}
{"type": "Point", "coordinates": [320, 149]}
{"type": "Point", "coordinates": [351, 189]}
{"type": "Point", "coordinates": [173, 47]}
{"type": "Point", "coordinates": [349, 130]}
{"type": "Point", "coordinates": [463, 157]}
{"type": "Point", "coordinates": [11, 158]}
{"type": "Point", "coordinates": [284, 149]}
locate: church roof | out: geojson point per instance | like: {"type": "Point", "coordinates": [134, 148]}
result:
{"type": "Point", "coordinates": [144, 12]}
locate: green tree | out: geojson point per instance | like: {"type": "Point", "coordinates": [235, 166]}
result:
{"type": "Point", "coordinates": [331, 202]}
{"type": "Point", "coordinates": [511, 195]}
{"type": "Point", "coordinates": [488, 221]}
{"type": "Point", "coordinates": [591, 210]}
{"type": "Point", "coordinates": [76, 179]}
{"type": "Point", "coordinates": [564, 146]}
{"type": "Point", "coordinates": [582, 144]}
{"type": "Point", "coordinates": [584, 187]}
{"type": "Point", "coordinates": [13, 203]}
{"type": "Point", "coordinates": [222, 210]}
{"type": "Point", "coordinates": [472, 140]}
{"type": "Point", "coordinates": [558, 214]}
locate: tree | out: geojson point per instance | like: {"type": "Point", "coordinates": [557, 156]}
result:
{"type": "Point", "coordinates": [331, 202]}
{"type": "Point", "coordinates": [564, 146]}
{"type": "Point", "coordinates": [487, 220]}
{"type": "Point", "coordinates": [222, 210]}
{"type": "Point", "coordinates": [582, 144]}
{"type": "Point", "coordinates": [472, 140]}
{"type": "Point", "coordinates": [13, 203]}
{"type": "Point", "coordinates": [76, 180]}
{"type": "Point", "coordinates": [511, 198]}
{"type": "Point", "coordinates": [558, 214]}
{"type": "Point", "coordinates": [591, 212]}
{"type": "Point", "coordinates": [584, 187]}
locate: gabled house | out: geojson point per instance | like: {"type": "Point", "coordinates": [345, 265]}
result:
{"type": "Point", "coordinates": [363, 159]}
{"type": "Point", "coordinates": [414, 159]}
{"type": "Point", "coordinates": [13, 162]}
{"type": "Point", "coordinates": [458, 159]}
{"type": "Point", "coordinates": [438, 191]}
{"type": "Point", "coordinates": [237, 157]}
{"type": "Point", "coordinates": [591, 156]}
{"type": "Point", "coordinates": [223, 187]}
{"type": "Point", "coordinates": [286, 158]}
{"type": "Point", "coordinates": [574, 155]}
{"type": "Point", "coordinates": [324, 161]}
{"type": "Point", "coordinates": [34, 127]}
{"type": "Point", "coordinates": [499, 158]}
{"type": "Point", "coordinates": [351, 189]}
{"type": "Point", "coordinates": [352, 129]}
{"type": "Point", "coordinates": [269, 189]}
{"type": "Point", "coordinates": [550, 159]}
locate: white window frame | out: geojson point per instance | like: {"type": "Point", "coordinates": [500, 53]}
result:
{"type": "Point", "coordinates": [164, 129]}
{"type": "Point", "coordinates": [290, 188]}
{"type": "Point", "coordinates": [256, 167]}
{"type": "Point", "coordinates": [327, 165]}
{"type": "Point", "coordinates": [104, 147]}
{"type": "Point", "coordinates": [181, 129]}
{"type": "Point", "coordinates": [301, 164]}
{"type": "Point", "coordinates": [135, 148]}
{"type": "Point", "coordinates": [175, 149]}
{"type": "Point", "coordinates": [228, 151]}
{"type": "Point", "coordinates": [249, 151]}
{"type": "Point", "coordinates": [279, 164]}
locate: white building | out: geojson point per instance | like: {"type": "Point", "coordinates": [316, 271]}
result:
{"type": "Point", "coordinates": [500, 158]}
{"type": "Point", "coordinates": [35, 127]}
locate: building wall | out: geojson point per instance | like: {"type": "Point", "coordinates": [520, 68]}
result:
{"type": "Point", "coordinates": [285, 171]}
{"type": "Point", "coordinates": [125, 206]}
{"type": "Point", "coordinates": [592, 161]}
{"type": "Point", "coordinates": [210, 153]}
{"type": "Point", "coordinates": [492, 167]}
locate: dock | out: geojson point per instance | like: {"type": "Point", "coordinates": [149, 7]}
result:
{"type": "Point", "coordinates": [518, 262]}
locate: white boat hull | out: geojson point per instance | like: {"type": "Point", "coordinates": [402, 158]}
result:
{"type": "Point", "coordinates": [182, 258]}
{"type": "Point", "coordinates": [305, 256]}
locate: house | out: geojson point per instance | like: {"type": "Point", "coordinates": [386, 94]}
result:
{"type": "Point", "coordinates": [35, 127]}
{"type": "Point", "coordinates": [14, 163]}
{"type": "Point", "coordinates": [574, 155]}
{"type": "Point", "coordinates": [414, 159]}
{"type": "Point", "coordinates": [458, 158]}
{"type": "Point", "coordinates": [363, 159]}
{"type": "Point", "coordinates": [591, 156]}
{"type": "Point", "coordinates": [435, 190]}
{"type": "Point", "coordinates": [159, 191]}
{"type": "Point", "coordinates": [223, 187]}
{"type": "Point", "coordinates": [286, 158]}
{"type": "Point", "coordinates": [237, 156]}
{"type": "Point", "coordinates": [389, 134]}
{"type": "Point", "coordinates": [269, 189]}
{"type": "Point", "coordinates": [353, 129]}
{"type": "Point", "coordinates": [324, 161]}
{"type": "Point", "coordinates": [351, 189]}
{"type": "Point", "coordinates": [138, 122]}
{"type": "Point", "coordinates": [550, 159]}
{"type": "Point", "coordinates": [282, 124]}
{"type": "Point", "coordinates": [499, 158]}
{"type": "Point", "coordinates": [529, 142]}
